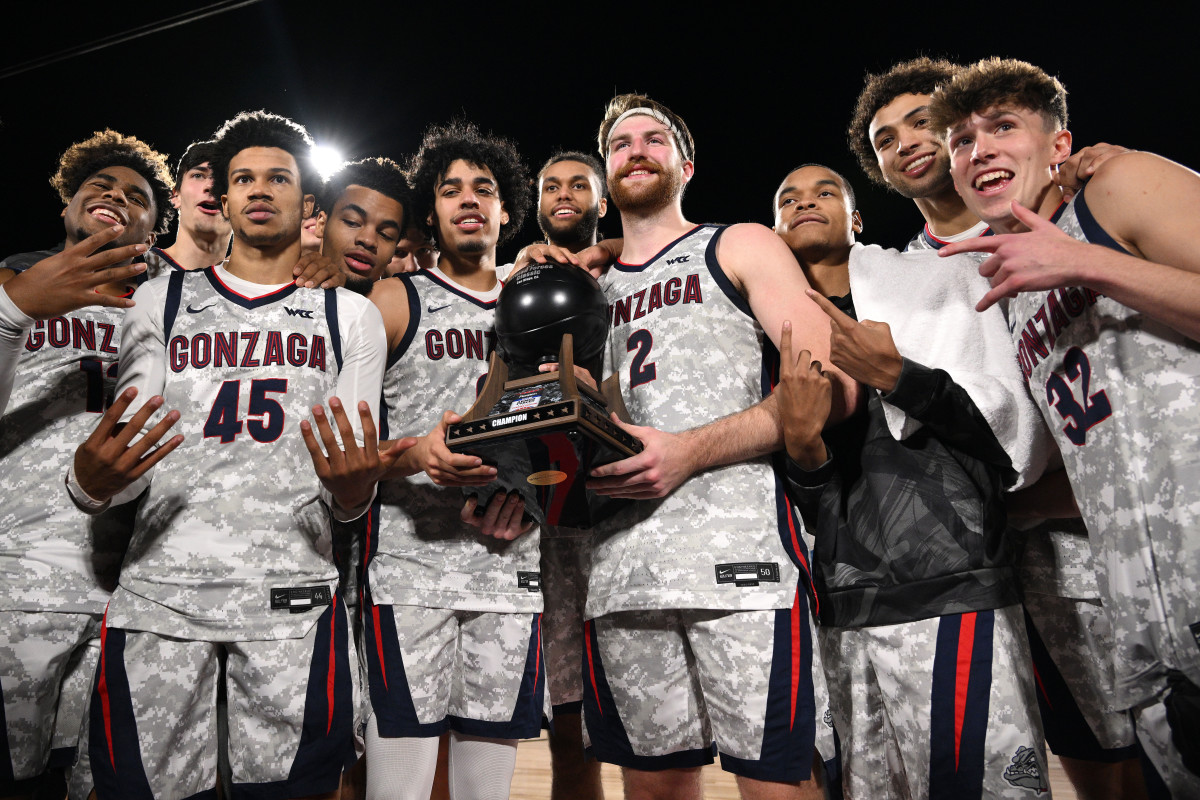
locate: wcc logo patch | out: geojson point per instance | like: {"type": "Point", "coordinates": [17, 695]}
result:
{"type": "Point", "coordinates": [1025, 771]}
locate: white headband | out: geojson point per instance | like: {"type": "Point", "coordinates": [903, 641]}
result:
{"type": "Point", "coordinates": [656, 115]}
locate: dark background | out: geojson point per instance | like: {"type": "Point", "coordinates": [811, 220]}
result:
{"type": "Point", "coordinates": [761, 89]}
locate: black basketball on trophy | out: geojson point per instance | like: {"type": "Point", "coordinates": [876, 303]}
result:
{"type": "Point", "coordinates": [540, 304]}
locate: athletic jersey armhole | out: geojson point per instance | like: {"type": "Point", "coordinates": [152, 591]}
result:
{"type": "Point", "coordinates": [171, 307]}
{"type": "Point", "coordinates": [331, 317]}
{"type": "Point", "coordinates": [1091, 228]}
{"type": "Point", "coordinates": [414, 320]}
{"type": "Point", "coordinates": [718, 274]}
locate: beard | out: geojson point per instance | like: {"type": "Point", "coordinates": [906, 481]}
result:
{"type": "Point", "coordinates": [642, 199]}
{"type": "Point", "coordinates": [359, 284]}
{"type": "Point", "coordinates": [582, 230]}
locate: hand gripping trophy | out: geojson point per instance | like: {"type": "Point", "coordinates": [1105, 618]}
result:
{"type": "Point", "coordinates": [545, 431]}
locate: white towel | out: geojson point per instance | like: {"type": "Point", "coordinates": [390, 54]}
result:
{"type": "Point", "coordinates": [929, 302]}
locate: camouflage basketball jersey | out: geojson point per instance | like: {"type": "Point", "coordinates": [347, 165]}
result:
{"type": "Point", "coordinates": [688, 350]}
{"type": "Point", "coordinates": [420, 552]}
{"type": "Point", "coordinates": [52, 557]}
{"type": "Point", "coordinates": [232, 542]}
{"type": "Point", "coordinates": [1120, 391]}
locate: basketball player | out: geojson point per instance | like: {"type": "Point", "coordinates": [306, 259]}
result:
{"type": "Point", "coordinates": [202, 236]}
{"type": "Point", "coordinates": [452, 617]}
{"type": "Point", "coordinates": [229, 574]}
{"type": "Point", "coordinates": [414, 252]}
{"type": "Point", "coordinates": [896, 620]}
{"type": "Point", "coordinates": [1070, 636]}
{"type": "Point", "coordinates": [59, 359]}
{"type": "Point", "coordinates": [1103, 318]}
{"type": "Point", "coordinates": [698, 625]}
{"type": "Point", "coordinates": [571, 202]}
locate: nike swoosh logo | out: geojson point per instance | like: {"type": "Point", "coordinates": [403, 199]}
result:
{"type": "Point", "coordinates": [432, 309]}
{"type": "Point", "coordinates": [191, 310]}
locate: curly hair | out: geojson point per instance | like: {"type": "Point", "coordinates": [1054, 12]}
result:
{"type": "Point", "coordinates": [918, 76]}
{"type": "Point", "coordinates": [377, 174]}
{"type": "Point", "coordinates": [463, 141]}
{"type": "Point", "coordinates": [995, 82]}
{"type": "Point", "coordinates": [587, 159]}
{"type": "Point", "coordinates": [627, 102]}
{"type": "Point", "coordinates": [261, 129]}
{"type": "Point", "coordinates": [108, 148]}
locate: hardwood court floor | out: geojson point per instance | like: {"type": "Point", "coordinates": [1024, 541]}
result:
{"type": "Point", "coordinates": [531, 781]}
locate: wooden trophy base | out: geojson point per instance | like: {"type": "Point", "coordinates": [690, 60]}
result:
{"type": "Point", "coordinates": [544, 434]}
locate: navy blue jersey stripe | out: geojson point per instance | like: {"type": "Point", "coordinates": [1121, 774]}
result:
{"type": "Point", "coordinates": [790, 723]}
{"type": "Point", "coordinates": [414, 320]}
{"type": "Point", "coordinates": [453, 289]}
{"type": "Point", "coordinates": [621, 266]}
{"type": "Point", "coordinates": [722, 280]}
{"type": "Point", "coordinates": [962, 662]}
{"type": "Point", "coordinates": [117, 769]}
{"type": "Point", "coordinates": [171, 307]}
{"type": "Point", "coordinates": [331, 317]}
{"type": "Point", "coordinates": [1091, 228]}
{"type": "Point", "coordinates": [245, 302]}
{"type": "Point", "coordinates": [609, 741]}
{"type": "Point", "coordinates": [391, 700]}
{"type": "Point", "coordinates": [526, 721]}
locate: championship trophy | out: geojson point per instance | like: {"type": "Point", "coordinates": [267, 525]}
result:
{"type": "Point", "coordinates": [545, 431]}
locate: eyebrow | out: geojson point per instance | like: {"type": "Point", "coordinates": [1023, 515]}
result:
{"type": "Point", "coordinates": [127, 188]}
{"type": "Point", "coordinates": [272, 171]}
{"type": "Point", "coordinates": [794, 189]}
{"type": "Point", "coordinates": [580, 177]}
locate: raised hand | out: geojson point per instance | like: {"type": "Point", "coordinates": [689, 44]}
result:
{"type": "Point", "coordinates": [68, 280]}
{"type": "Point", "coordinates": [863, 350]}
{"type": "Point", "coordinates": [1043, 258]}
{"type": "Point", "coordinates": [805, 397]}
{"type": "Point", "coordinates": [349, 471]}
{"type": "Point", "coordinates": [106, 463]}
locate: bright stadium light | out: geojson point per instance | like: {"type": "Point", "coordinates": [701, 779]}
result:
{"type": "Point", "coordinates": [326, 159]}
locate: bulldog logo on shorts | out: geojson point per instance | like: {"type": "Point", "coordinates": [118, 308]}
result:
{"type": "Point", "coordinates": [1025, 771]}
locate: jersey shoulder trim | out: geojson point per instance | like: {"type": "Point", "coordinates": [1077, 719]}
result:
{"type": "Point", "coordinates": [449, 287]}
{"type": "Point", "coordinates": [624, 267]}
{"type": "Point", "coordinates": [1091, 228]}
{"type": "Point", "coordinates": [719, 276]}
{"type": "Point", "coordinates": [414, 319]}
{"type": "Point", "coordinates": [331, 319]}
{"type": "Point", "coordinates": [240, 299]}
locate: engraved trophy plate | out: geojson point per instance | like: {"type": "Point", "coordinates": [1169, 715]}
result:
{"type": "Point", "coordinates": [544, 432]}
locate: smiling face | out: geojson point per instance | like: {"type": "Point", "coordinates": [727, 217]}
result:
{"type": "Point", "coordinates": [645, 170]}
{"type": "Point", "coordinates": [199, 211]}
{"type": "Point", "coordinates": [813, 213]}
{"type": "Point", "coordinates": [911, 154]}
{"type": "Point", "coordinates": [112, 196]}
{"type": "Point", "coordinates": [360, 234]}
{"type": "Point", "coordinates": [570, 204]}
{"type": "Point", "coordinates": [1002, 154]}
{"type": "Point", "coordinates": [467, 210]}
{"type": "Point", "coordinates": [264, 203]}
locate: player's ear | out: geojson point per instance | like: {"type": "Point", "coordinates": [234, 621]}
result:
{"type": "Point", "coordinates": [225, 206]}
{"type": "Point", "coordinates": [603, 207]}
{"type": "Point", "coordinates": [1062, 146]}
{"type": "Point", "coordinates": [689, 169]}
{"type": "Point", "coordinates": [151, 239]}
{"type": "Point", "coordinates": [503, 214]}
{"type": "Point", "coordinates": [175, 201]}
{"type": "Point", "coordinates": [319, 228]}
{"type": "Point", "coordinates": [856, 223]}
{"type": "Point", "coordinates": [310, 202]}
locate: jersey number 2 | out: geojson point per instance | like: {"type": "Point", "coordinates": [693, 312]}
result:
{"type": "Point", "coordinates": [223, 420]}
{"type": "Point", "coordinates": [639, 371]}
{"type": "Point", "coordinates": [1081, 417]}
